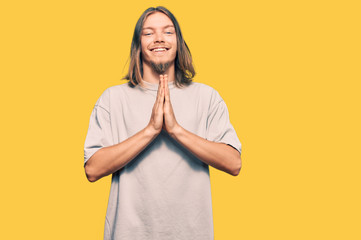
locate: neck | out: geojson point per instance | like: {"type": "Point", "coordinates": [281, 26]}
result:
{"type": "Point", "coordinates": [151, 76]}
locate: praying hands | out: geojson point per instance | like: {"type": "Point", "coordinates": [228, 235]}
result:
{"type": "Point", "coordinates": [162, 114]}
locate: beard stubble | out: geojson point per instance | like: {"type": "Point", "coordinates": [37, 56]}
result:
{"type": "Point", "coordinates": [160, 68]}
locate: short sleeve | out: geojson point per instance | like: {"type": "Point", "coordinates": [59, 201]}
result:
{"type": "Point", "coordinates": [99, 132]}
{"type": "Point", "coordinates": [219, 127]}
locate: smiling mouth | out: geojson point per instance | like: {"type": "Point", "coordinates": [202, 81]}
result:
{"type": "Point", "coordinates": [159, 49]}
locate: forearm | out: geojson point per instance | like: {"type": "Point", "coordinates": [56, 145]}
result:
{"type": "Point", "coordinates": [110, 159]}
{"type": "Point", "coordinates": [217, 155]}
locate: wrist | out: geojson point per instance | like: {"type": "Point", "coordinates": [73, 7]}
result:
{"type": "Point", "coordinates": [151, 132]}
{"type": "Point", "coordinates": [176, 131]}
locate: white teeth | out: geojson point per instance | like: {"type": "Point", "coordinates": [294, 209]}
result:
{"type": "Point", "coordinates": [159, 49]}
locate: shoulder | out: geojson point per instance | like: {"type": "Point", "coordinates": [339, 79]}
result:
{"type": "Point", "coordinates": [201, 87]}
{"type": "Point", "coordinates": [116, 91]}
{"type": "Point", "coordinates": [108, 95]}
{"type": "Point", "coordinates": [207, 91]}
{"type": "Point", "coordinates": [117, 88]}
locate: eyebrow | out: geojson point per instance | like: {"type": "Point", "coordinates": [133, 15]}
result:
{"type": "Point", "coordinates": [167, 26]}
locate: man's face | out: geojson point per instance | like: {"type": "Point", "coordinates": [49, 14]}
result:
{"type": "Point", "coordinates": [158, 42]}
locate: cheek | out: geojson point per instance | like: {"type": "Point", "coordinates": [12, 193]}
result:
{"type": "Point", "coordinates": [174, 45]}
{"type": "Point", "coordinates": [175, 48]}
{"type": "Point", "coordinates": [144, 43]}
{"type": "Point", "coordinates": [142, 50]}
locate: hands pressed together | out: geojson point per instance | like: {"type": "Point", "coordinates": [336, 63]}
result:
{"type": "Point", "coordinates": [162, 114]}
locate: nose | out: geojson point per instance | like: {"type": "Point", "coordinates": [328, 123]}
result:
{"type": "Point", "coordinates": [158, 37]}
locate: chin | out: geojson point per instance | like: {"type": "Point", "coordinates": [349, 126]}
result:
{"type": "Point", "coordinates": [160, 67]}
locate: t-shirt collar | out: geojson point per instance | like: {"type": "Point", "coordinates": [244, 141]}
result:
{"type": "Point", "coordinates": [154, 86]}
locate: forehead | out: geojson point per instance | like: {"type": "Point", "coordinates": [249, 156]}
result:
{"type": "Point", "coordinates": [157, 20]}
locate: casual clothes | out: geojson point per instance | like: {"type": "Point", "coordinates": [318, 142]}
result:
{"type": "Point", "coordinates": [164, 192]}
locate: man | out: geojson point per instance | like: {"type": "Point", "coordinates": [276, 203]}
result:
{"type": "Point", "coordinates": [157, 135]}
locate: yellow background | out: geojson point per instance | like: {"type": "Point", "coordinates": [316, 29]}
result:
{"type": "Point", "coordinates": [289, 72]}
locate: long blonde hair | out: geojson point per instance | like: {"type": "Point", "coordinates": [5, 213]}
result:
{"type": "Point", "coordinates": [184, 70]}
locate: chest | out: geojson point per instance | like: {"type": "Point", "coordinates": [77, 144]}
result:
{"type": "Point", "coordinates": [133, 112]}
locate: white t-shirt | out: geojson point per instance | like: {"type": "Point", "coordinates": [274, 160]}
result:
{"type": "Point", "coordinates": [164, 192]}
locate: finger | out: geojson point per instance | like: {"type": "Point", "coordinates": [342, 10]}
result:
{"type": "Point", "coordinates": [163, 83]}
{"type": "Point", "coordinates": [161, 92]}
{"type": "Point", "coordinates": [166, 89]}
{"type": "Point", "coordinates": [159, 89]}
{"type": "Point", "coordinates": [165, 78]}
{"type": "Point", "coordinates": [162, 95]}
{"type": "Point", "coordinates": [162, 87]}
